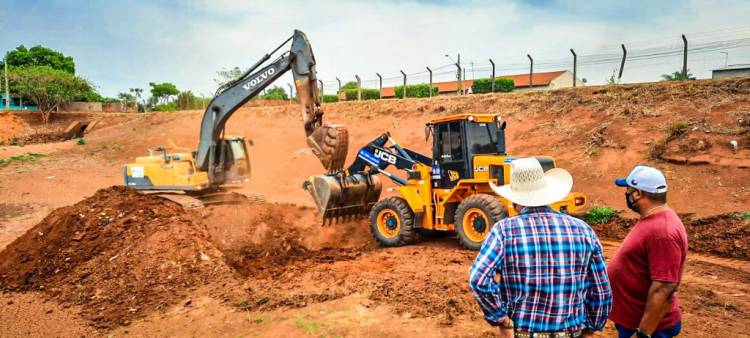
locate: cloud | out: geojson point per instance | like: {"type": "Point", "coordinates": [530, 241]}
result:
{"type": "Point", "coordinates": [119, 45]}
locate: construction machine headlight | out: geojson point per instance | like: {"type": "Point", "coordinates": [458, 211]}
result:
{"type": "Point", "coordinates": [471, 118]}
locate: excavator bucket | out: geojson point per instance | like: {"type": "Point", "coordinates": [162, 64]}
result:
{"type": "Point", "coordinates": [338, 197]}
{"type": "Point", "coordinates": [330, 143]}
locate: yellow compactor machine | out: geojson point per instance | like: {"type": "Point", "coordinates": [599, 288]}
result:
{"type": "Point", "coordinates": [448, 192]}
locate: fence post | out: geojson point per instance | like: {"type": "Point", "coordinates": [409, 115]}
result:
{"type": "Point", "coordinates": [291, 93]}
{"type": "Point", "coordinates": [575, 65]}
{"type": "Point", "coordinates": [622, 63]}
{"type": "Point", "coordinates": [339, 81]}
{"type": "Point", "coordinates": [430, 71]}
{"type": "Point", "coordinates": [404, 74]}
{"type": "Point", "coordinates": [493, 75]}
{"type": "Point", "coordinates": [684, 57]}
{"type": "Point", "coordinates": [380, 84]}
{"type": "Point", "coordinates": [321, 88]}
{"type": "Point", "coordinates": [531, 71]}
{"type": "Point", "coordinates": [458, 78]}
{"type": "Point", "coordinates": [359, 88]}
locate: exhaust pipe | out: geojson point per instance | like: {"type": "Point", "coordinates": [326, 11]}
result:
{"type": "Point", "coordinates": [337, 197]}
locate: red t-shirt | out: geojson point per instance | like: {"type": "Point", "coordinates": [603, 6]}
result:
{"type": "Point", "coordinates": [654, 250]}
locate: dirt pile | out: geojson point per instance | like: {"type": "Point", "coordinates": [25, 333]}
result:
{"type": "Point", "coordinates": [118, 254]}
{"type": "Point", "coordinates": [726, 235]}
{"type": "Point", "coordinates": [11, 125]}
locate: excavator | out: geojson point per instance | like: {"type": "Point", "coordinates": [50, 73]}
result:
{"type": "Point", "coordinates": [224, 160]}
{"type": "Point", "coordinates": [447, 193]}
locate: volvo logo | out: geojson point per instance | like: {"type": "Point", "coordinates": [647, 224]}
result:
{"type": "Point", "coordinates": [254, 82]}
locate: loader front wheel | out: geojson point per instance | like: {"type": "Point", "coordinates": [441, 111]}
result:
{"type": "Point", "coordinates": [392, 222]}
{"type": "Point", "coordinates": [475, 216]}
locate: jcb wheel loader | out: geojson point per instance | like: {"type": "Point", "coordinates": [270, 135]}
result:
{"type": "Point", "coordinates": [224, 159]}
{"type": "Point", "coordinates": [446, 193]}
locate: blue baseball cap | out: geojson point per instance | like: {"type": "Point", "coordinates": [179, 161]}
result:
{"type": "Point", "coordinates": [644, 178]}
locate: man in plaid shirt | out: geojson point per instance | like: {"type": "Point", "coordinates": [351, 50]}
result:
{"type": "Point", "coordinates": [553, 281]}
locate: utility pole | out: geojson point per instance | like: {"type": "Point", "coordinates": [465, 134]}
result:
{"type": "Point", "coordinates": [493, 75]}
{"type": "Point", "coordinates": [575, 64]}
{"type": "Point", "coordinates": [684, 58]}
{"type": "Point", "coordinates": [460, 84]}
{"type": "Point", "coordinates": [380, 84]}
{"type": "Point", "coordinates": [291, 92]}
{"type": "Point", "coordinates": [430, 71]}
{"type": "Point", "coordinates": [7, 88]}
{"type": "Point", "coordinates": [531, 71]}
{"type": "Point", "coordinates": [404, 74]}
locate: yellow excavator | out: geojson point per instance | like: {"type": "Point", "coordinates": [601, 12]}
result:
{"type": "Point", "coordinates": [446, 193]}
{"type": "Point", "coordinates": [222, 160]}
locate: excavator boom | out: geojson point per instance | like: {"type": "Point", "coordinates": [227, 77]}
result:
{"type": "Point", "coordinates": [328, 142]}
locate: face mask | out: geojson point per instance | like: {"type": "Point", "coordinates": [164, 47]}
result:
{"type": "Point", "coordinates": [631, 201]}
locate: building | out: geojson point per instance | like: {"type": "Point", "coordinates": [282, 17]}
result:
{"type": "Point", "coordinates": [741, 70]}
{"type": "Point", "coordinates": [15, 103]}
{"type": "Point", "coordinates": [542, 81]}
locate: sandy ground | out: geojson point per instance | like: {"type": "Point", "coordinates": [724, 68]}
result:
{"type": "Point", "coordinates": [359, 289]}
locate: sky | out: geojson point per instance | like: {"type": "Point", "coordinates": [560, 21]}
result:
{"type": "Point", "coordinates": [124, 44]}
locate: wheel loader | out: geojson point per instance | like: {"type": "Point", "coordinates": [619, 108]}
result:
{"type": "Point", "coordinates": [222, 160]}
{"type": "Point", "coordinates": [446, 193]}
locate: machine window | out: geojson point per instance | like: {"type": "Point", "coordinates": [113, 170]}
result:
{"type": "Point", "coordinates": [482, 138]}
{"type": "Point", "coordinates": [457, 153]}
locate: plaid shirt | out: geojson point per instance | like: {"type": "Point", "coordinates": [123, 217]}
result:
{"type": "Point", "coordinates": [552, 273]}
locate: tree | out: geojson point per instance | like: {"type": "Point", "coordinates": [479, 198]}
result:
{"type": "Point", "coordinates": [276, 93]}
{"type": "Point", "coordinates": [127, 99]}
{"type": "Point", "coordinates": [162, 92]}
{"type": "Point", "coordinates": [40, 56]}
{"type": "Point", "coordinates": [677, 76]}
{"type": "Point", "coordinates": [47, 87]}
{"type": "Point", "coordinates": [227, 75]}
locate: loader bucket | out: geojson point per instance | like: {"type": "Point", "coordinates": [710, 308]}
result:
{"type": "Point", "coordinates": [330, 143]}
{"type": "Point", "coordinates": [338, 197]}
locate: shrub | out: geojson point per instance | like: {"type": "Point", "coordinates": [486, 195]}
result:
{"type": "Point", "coordinates": [745, 216]}
{"type": "Point", "coordinates": [330, 98]}
{"type": "Point", "coordinates": [367, 94]}
{"type": "Point", "coordinates": [417, 90]}
{"type": "Point", "coordinates": [503, 85]}
{"type": "Point", "coordinates": [601, 214]}
{"type": "Point", "coordinates": [171, 106]}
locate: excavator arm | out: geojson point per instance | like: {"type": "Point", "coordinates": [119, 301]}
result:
{"type": "Point", "coordinates": [328, 142]}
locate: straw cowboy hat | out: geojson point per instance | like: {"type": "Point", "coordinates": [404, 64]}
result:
{"type": "Point", "coordinates": [530, 186]}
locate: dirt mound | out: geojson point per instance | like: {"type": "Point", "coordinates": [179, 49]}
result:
{"type": "Point", "coordinates": [118, 254]}
{"type": "Point", "coordinates": [726, 235]}
{"type": "Point", "coordinates": [11, 125]}
{"type": "Point", "coordinates": [264, 239]}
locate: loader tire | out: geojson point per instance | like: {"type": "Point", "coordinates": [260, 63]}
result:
{"type": "Point", "coordinates": [475, 216]}
{"type": "Point", "coordinates": [392, 222]}
{"type": "Point", "coordinates": [335, 146]}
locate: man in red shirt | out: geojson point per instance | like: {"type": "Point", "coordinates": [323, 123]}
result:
{"type": "Point", "coordinates": [647, 268]}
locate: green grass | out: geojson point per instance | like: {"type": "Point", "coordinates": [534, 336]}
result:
{"type": "Point", "coordinates": [745, 216]}
{"type": "Point", "coordinates": [243, 305]}
{"type": "Point", "coordinates": [601, 214]}
{"type": "Point", "coordinates": [80, 141]}
{"type": "Point", "coordinates": [19, 159]}
{"type": "Point", "coordinates": [677, 128]}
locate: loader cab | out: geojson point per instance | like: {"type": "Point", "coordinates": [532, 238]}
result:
{"type": "Point", "coordinates": [457, 140]}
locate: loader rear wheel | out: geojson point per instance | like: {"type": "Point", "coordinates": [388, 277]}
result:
{"type": "Point", "coordinates": [475, 216]}
{"type": "Point", "coordinates": [392, 222]}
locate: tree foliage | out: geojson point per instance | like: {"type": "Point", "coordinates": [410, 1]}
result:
{"type": "Point", "coordinates": [186, 100]}
{"type": "Point", "coordinates": [329, 98]}
{"type": "Point", "coordinates": [349, 85]}
{"type": "Point", "coordinates": [503, 85]}
{"type": "Point", "coordinates": [47, 87]}
{"type": "Point", "coordinates": [40, 56]}
{"type": "Point", "coordinates": [225, 76]}
{"type": "Point", "coordinates": [162, 92]}
{"type": "Point", "coordinates": [677, 76]}
{"type": "Point", "coordinates": [275, 93]}
{"type": "Point", "coordinates": [416, 90]}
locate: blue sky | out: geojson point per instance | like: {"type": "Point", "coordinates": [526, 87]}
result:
{"type": "Point", "coordinates": [123, 44]}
